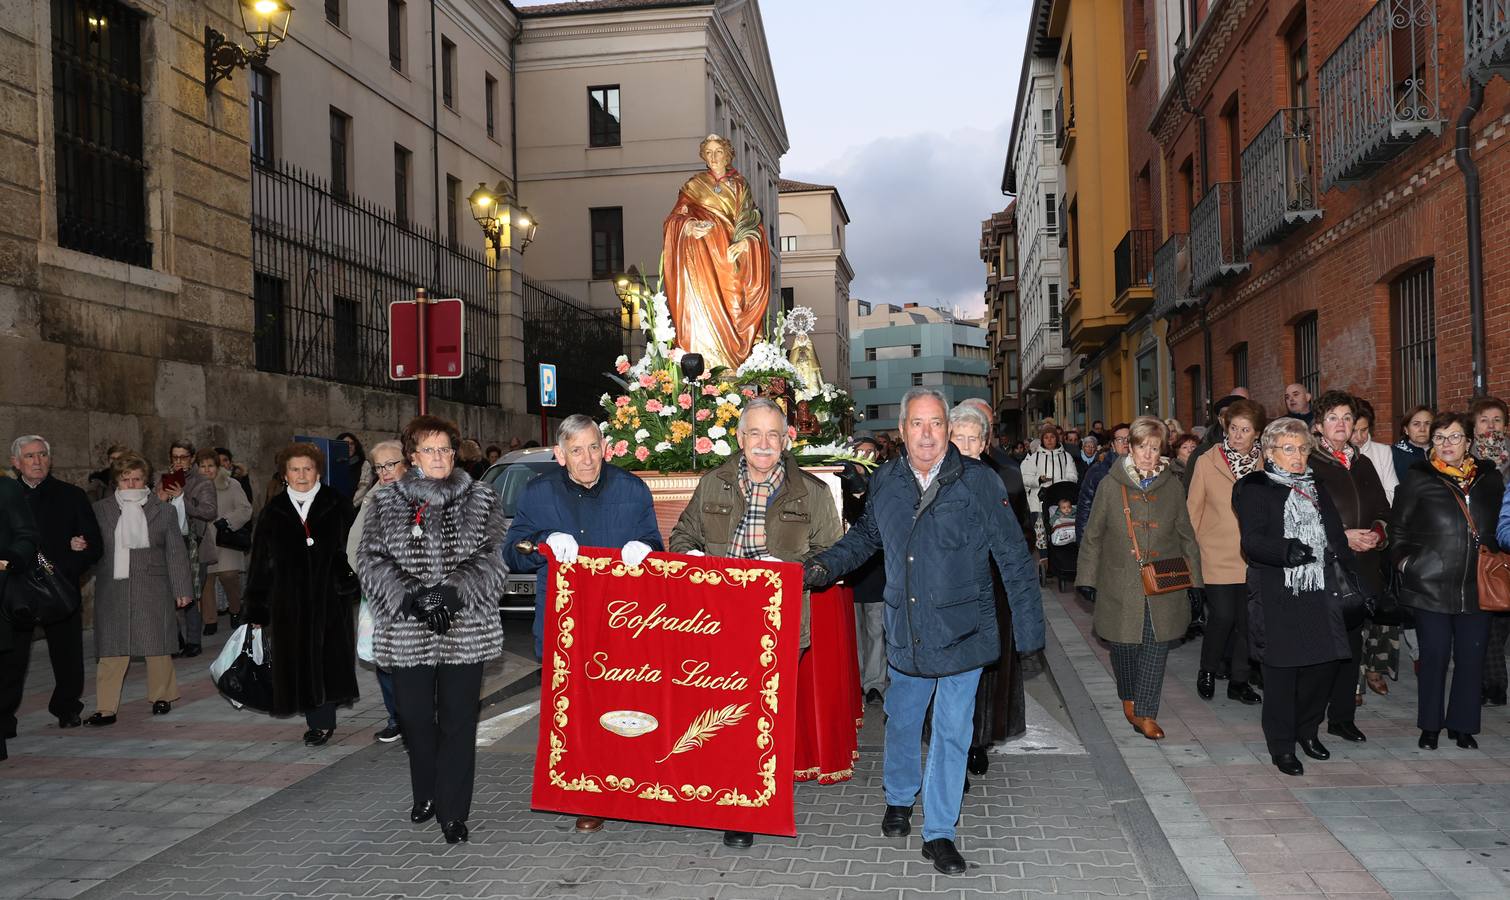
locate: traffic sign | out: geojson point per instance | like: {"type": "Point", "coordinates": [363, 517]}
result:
{"type": "Point", "coordinates": [445, 339]}
{"type": "Point", "coordinates": [547, 384]}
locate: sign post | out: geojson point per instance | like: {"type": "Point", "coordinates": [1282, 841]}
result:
{"type": "Point", "coordinates": [547, 399]}
{"type": "Point", "coordinates": [426, 339]}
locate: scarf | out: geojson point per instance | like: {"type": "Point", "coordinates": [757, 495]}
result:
{"type": "Point", "coordinates": [1241, 463]}
{"type": "Point", "coordinates": [303, 500]}
{"type": "Point", "coordinates": [748, 541]}
{"type": "Point", "coordinates": [1139, 477]}
{"type": "Point", "coordinates": [1344, 456]}
{"type": "Point", "coordinates": [1492, 448]}
{"type": "Point", "coordinates": [1303, 523]}
{"type": "Point", "coordinates": [131, 530]}
{"type": "Point", "coordinates": [1463, 474]}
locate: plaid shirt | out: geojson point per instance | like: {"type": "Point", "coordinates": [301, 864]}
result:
{"type": "Point", "coordinates": [748, 541]}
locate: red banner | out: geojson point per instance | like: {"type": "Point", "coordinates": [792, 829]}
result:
{"type": "Point", "coordinates": [669, 691]}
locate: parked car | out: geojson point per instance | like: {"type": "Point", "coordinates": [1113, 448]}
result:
{"type": "Point", "coordinates": [508, 477]}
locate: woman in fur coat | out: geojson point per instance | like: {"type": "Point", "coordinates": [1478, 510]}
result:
{"type": "Point", "coordinates": [433, 573]}
{"type": "Point", "coordinates": [301, 589]}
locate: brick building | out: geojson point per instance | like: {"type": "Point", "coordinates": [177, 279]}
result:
{"type": "Point", "coordinates": [998, 250]}
{"type": "Point", "coordinates": [1307, 151]}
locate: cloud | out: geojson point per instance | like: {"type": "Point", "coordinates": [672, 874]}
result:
{"type": "Point", "coordinates": [917, 203]}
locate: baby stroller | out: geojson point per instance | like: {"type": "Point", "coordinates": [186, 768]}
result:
{"type": "Point", "coordinates": [1063, 541]}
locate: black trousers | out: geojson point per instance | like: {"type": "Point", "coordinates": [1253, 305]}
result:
{"type": "Point", "coordinates": [1342, 704]}
{"type": "Point", "coordinates": [1460, 639]}
{"type": "Point", "coordinates": [65, 648]}
{"type": "Point", "coordinates": [437, 712]}
{"type": "Point", "coordinates": [321, 718]}
{"type": "Point", "coordinates": [1496, 679]}
{"type": "Point", "coordinates": [1226, 629]}
{"type": "Point", "coordinates": [1295, 699]}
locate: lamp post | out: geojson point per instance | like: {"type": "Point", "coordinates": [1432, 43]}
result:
{"type": "Point", "coordinates": [631, 290]}
{"type": "Point", "coordinates": [498, 211]}
{"type": "Point", "coordinates": [264, 21]}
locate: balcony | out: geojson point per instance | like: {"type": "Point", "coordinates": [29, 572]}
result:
{"type": "Point", "coordinates": [1279, 179]}
{"type": "Point", "coordinates": [1216, 238]}
{"type": "Point", "coordinates": [1486, 38]}
{"type": "Point", "coordinates": [1064, 125]}
{"type": "Point", "coordinates": [1132, 263]}
{"type": "Point", "coordinates": [1380, 91]}
{"type": "Point", "coordinates": [1043, 358]}
{"type": "Point", "coordinates": [1171, 277]}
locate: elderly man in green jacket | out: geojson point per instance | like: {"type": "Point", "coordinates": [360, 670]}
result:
{"type": "Point", "coordinates": [759, 505]}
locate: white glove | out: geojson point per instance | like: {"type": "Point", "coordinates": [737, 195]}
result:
{"type": "Point", "coordinates": [770, 558]}
{"type": "Point", "coordinates": [563, 546]}
{"type": "Point", "coordinates": [694, 553]}
{"type": "Point", "coordinates": [634, 553]}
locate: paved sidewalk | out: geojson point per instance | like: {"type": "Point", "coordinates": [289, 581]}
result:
{"type": "Point", "coordinates": [1381, 818]}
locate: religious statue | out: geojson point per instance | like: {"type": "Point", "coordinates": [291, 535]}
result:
{"type": "Point", "coordinates": [716, 261]}
{"type": "Point", "coordinates": [804, 357]}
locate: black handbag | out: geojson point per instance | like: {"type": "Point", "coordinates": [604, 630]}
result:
{"type": "Point", "coordinates": [40, 596]}
{"type": "Point", "coordinates": [1342, 584]}
{"type": "Point", "coordinates": [233, 538]}
{"type": "Point", "coordinates": [245, 681]}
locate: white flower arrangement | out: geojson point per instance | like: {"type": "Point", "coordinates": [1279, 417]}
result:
{"type": "Point", "coordinates": [717, 431]}
{"type": "Point", "coordinates": [639, 436]}
{"type": "Point", "coordinates": [663, 446]}
{"type": "Point", "coordinates": [766, 358]}
{"type": "Point", "coordinates": [722, 448]}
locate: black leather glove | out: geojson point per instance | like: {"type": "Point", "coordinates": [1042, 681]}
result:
{"type": "Point", "coordinates": [1033, 664]}
{"type": "Point", "coordinates": [434, 606]}
{"type": "Point", "coordinates": [1298, 554]}
{"type": "Point", "coordinates": [1089, 593]}
{"type": "Point", "coordinates": [1197, 600]}
{"type": "Point", "coordinates": [815, 575]}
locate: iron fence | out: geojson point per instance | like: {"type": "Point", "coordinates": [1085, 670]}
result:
{"type": "Point", "coordinates": [1171, 276]}
{"type": "Point", "coordinates": [1132, 261]}
{"type": "Point", "coordinates": [582, 343]}
{"type": "Point", "coordinates": [1279, 179]}
{"type": "Point", "coordinates": [1216, 237]}
{"type": "Point", "coordinates": [1486, 37]}
{"type": "Point", "coordinates": [326, 269]}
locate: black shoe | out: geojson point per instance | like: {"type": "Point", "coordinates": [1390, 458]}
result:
{"type": "Point", "coordinates": [874, 696]}
{"type": "Point", "coordinates": [3, 755]}
{"type": "Point", "coordinates": [317, 737]}
{"type": "Point", "coordinates": [979, 762]}
{"type": "Point", "coordinates": [72, 721]}
{"type": "Point", "coordinates": [99, 720]}
{"type": "Point", "coordinates": [423, 811]}
{"type": "Point", "coordinates": [1243, 693]}
{"type": "Point", "coordinates": [739, 840]}
{"type": "Point", "coordinates": [191, 650]}
{"type": "Point", "coordinates": [897, 822]}
{"type": "Point", "coordinates": [1205, 685]}
{"type": "Point", "coordinates": [235, 621]}
{"type": "Point", "coordinates": [178, 654]}
{"type": "Point", "coordinates": [1222, 674]}
{"type": "Point", "coordinates": [1255, 678]}
{"type": "Point", "coordinates": [455, 832]}
{"type": "Point", "coordinates": [1347, 731]}
{"type": "Point", "coordinates": [945, 856]}
{"type": "Point", "coordinates": [211, 628]}
{"type": "Point", "coordinates": [1494, 698]}
{"type": "Point", "coordinates": [1465, 741]}
{"type": "Point", "coordinates": [389, 735]}
{"type": "Point", "coordinates": [1314, 749]}
{"type": "Point", "coordinates": [1288, 764]}
{"type": "Point", "coordinates": [1428, 739]}
{"type": "Point", "coordinates": [161, 708]}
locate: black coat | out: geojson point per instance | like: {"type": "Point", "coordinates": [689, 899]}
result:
{"type": "Point", "coordinates": [1010, 472]}
{"type": "Point", "coordinates": [19, 538]}
{"type": "Point", "coordinates": [305, 596]}
{"type": "Point", "coordinates": [1359, 498]}
{"type": "Point", "coordinates": [1286, 629]}
{"type": "Point", "coordinates": [1431, 549]}
{"type": "Point", "coordinates": [63, 511]}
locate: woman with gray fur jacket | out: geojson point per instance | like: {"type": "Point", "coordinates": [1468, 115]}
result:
{"type": "Point", "coordinates": [432, 573]}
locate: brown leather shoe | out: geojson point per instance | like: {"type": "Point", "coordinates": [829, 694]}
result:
{"type": "Point", "coordinates": [1146, 726]}
{"type": "Point", "coordinates": [589, 824]}
{"type": "Point", "coordinates": [1127, 710]}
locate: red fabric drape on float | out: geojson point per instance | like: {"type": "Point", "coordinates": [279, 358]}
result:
{"type": "Point", "coordinates": [830, 707]}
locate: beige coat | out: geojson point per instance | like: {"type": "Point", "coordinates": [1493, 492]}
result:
{"type": "Point", "coordinates": [232, 505]}
{"type": "Point", "coordinates": [1214, 521]}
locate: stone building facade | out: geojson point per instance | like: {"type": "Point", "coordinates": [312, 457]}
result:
{"type": "Point", "coordinates": [815, 270]}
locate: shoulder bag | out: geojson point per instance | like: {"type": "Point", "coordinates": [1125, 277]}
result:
{"type": "Point", "coordinates": [1493, 569]}
{"type": "Point", "coordinates": [1162, 576]}
{"type": "Point", "coordinates": [39, 596]}
{"type": "Point", "coordinates": [233, 538]}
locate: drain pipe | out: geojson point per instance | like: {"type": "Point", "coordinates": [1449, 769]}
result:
{"type": "Point", "coordinates": [1472, 199]}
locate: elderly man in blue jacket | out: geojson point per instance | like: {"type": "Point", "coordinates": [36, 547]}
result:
{"type": "Point", "coordinates": [940, 519]}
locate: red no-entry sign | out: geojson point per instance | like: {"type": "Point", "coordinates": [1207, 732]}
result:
{"type": "Point", "coordinates": [444, 337]}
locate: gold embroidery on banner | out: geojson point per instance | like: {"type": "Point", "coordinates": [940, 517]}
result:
{"type": "Point", "coordinates": [705, 727]}
{"type": "Point", "coordinates": [764, 738]}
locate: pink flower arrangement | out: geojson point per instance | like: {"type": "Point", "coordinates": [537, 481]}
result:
{"type": "Point", "coordinates": [704, 445]}
{"type": "Point", "coordinates": [623, 366]}
{"type": "Point", "coordinates": [710, 390]}
{"type": "Point", "coordinates": [652, 406]}
{"type": "Point", "coordinates": [684, 401]}
{"type": "Point", "coordinates": [748, 392]}
{"type": "Point", "coordinates": [791, 433]}
{"type": "Point", "coordinates": [621, 448]}
{"type": "Point", "coordinates": [623, 400]}
{"type": "Point", "coordinates": [642, 453]}
{"type": "Point", "coordinates": [703, 414]}
{"type": "Point", "coordinates": [647, 381]}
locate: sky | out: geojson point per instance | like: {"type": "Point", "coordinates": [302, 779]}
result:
{"type": "Point", "coordinates": [906, 107]}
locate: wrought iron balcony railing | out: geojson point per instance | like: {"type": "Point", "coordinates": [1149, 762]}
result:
{"type": "Point", "coordinates": [1171, 277]}
{"type": "Point", "coordinates": [1132, 261]}
{"type": "Point", "coordinates": [1279, 178]}
{"type": "Point", "coordinates": [1486, 38]}
{"type": "Point", "coordinates": [1216, 238]}
{"type": "Point", "coordinates": [1381, 89]}
{"type": "Point", "coordinates": [1059, 120]}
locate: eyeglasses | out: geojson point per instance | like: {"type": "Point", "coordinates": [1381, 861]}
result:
{"type": "Point", "coordinates": [438, 451]}
{"type": "Point", "coordinates": [385, 468]}
{"type": "Point", "coordinates": [1293, 449]}
{"type": "Point", "coordinates": [1456, 437]}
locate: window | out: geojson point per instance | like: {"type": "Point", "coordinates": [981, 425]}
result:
{"type": "Point", "coordinates": [97, 119]}
{"type": "Point", "coordinates": [1240, 365]}
{"type": "Point", "coordinates": [268, 328]}
{"type": "Point", "coordinates": [607, 242]}
{"type": "Point", "coordinates": [870, 354]}
{"type": "Point", "coordinates": [872, 412]}
{"type": "Point", "coordinates": [260, 113]}
{"type": "Point", "coordinates": [866, 383]}
{"type": "Point", "coordinates": [490, 95]}
{"type": "Point", "coordinates": [788, 243]}
{"type": "Point", "coordinates": [1050, 212]}
{"type": "Point", "coordinates": [1048, 122]}
{"type": "Point", "coordinates": [1298, 50]}
{"type": "Point", "coordinates": [340, 149]}
{"type": "Point", "coordinates": [333, 12]}
{"type": "Point", "coordinates": [347, 321]}
{"type": "Point", "coordinates": [1053, 294]}
{"type": "Point", "coordinates": [447, 73]}
{"type": "Point", "coordinates": [1011, 371]}
{"type": "Point", "coordinates": [1008, 261]}
{"type": "Point", "coordinates": [1197, 394]}
{"type": "Point", "coordinates": [603, 116]}
{"type": "Point", "coordinates": [453, 194]}
{"type": "Point", "coordinates": [1307, 355]}
{"type": "Point", "coordinates": [1009, 327]}
{"type": "Point", "coordinates": [917, 349]}
{"type": "Point", "coordinates": [1148, 383]}
{"type": "Point", "coordinates": [893, 352]}
{"type": "Point", "coordinates": [917, 379]}
{"type": "Point", "coordinates": [402, 160]}
{"type": "Point", "coordinates": [396, 34]}
{"type": "Point", "coordinates": [1413, 343]}
{"type": "Point", "coordinates": [788, 299]}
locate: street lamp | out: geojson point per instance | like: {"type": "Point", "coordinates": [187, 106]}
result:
{"type": "Point", "coordinates": [497, 210]}
{"type": "Point", "coordinates": [264, 21]}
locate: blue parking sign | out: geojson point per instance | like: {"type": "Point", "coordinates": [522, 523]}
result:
{"type": "Point", "coordinates": [547, 384]}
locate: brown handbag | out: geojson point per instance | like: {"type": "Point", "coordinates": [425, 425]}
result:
{"type": "Point", "coordinates": [1162, 576]}
{"type": "Point", "coordinates": [1494, 568]}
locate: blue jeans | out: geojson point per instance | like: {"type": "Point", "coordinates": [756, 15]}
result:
{"type": "Point", "coordinates": [943, 783]}
{"type": "Point", "coordinates": [385, 684]}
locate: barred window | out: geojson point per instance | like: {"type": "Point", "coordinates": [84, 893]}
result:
{"type": "Point", "coordinates": [1308, 355]}
{"type": "Point", "coordinates": [260, 113]}
{"type": "Point", "coordinates": [1240, 365]}
{"type": "Point", "coordinates": [1413, 343]}
{"type": "Point", "coordinates": [97, 121]}
{"type": "Point", "coordinates": [269, 334]}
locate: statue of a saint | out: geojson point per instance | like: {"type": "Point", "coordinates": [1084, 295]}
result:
{"type": "Point", "coordinates": [717, 261]}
